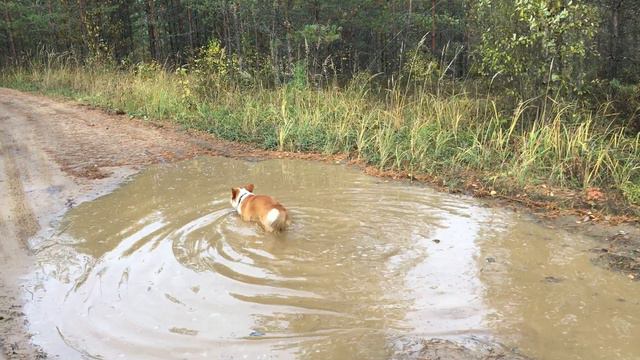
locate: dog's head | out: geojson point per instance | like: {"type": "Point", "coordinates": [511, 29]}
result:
{"type": "Point", "coordinates": [238, 192]}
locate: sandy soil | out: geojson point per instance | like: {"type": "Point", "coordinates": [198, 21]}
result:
{"type": "Point", "coordinates": [55, 155]}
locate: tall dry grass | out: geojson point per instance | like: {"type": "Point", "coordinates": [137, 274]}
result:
{"type": "Point", "coordinates": [417, 130]}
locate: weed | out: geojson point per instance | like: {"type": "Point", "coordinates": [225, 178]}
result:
{"type": "Point", "coordinates": [409, 129]}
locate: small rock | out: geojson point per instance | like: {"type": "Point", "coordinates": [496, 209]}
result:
{"type": "Point", "coordinates": [490, 260]}
{"type": "Point", "coordinates": [437, 241]}
{"type": "Point", "coordinates": [70, 203]}
{"type": "Point", "coordinates": [256, 333]}
{"type": "Point", "coordinates": [552, 280]}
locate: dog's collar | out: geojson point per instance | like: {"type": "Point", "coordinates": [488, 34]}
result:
{"type": "Point", "coordinates": [242, 198]}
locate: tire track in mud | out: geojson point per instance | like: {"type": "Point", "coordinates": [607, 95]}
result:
{"type": "Point", "coordinates": [25, 223]}
{"type": "Point", "coordinates": [17, 225]}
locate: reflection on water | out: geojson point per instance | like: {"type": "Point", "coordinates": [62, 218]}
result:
{"type": "Point", "coordinates": [549, 299]}
{"type": "Point", "coordinates": [162, 268]}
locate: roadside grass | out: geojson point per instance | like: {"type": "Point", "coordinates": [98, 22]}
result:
{"type": "Point", "coordinates": [415, 130]}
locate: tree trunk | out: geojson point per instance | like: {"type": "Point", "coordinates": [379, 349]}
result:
{"type": "Point", "coordinates": [12, 44]}
{"type": "Point", "coordinates": [433, 26]}
{"type": "Point", "coordinates": [52, 26]}
{"type": "Point", "coordinates": [170, 26]}
{"type": "Point", "coordinates": [122, 35]}
{"type": "Point", "coordinates": [227, 32]}
{"type": "Point", "coordinates": [198, 29]}
{"type": "Point", "coordinates": [255, 32]}
{"type": "Point", "coordinates": [316, 12]}
{"type": "Point", "coordinates": [152, 29]}
{"type": "Point", "coordinates": [236, 31]}
{"type": "Point", "coordinates": [287, 24]}
{"type": "Point", "coordinates": [84, 27]}
{"type": "Point", "coordinates": [189, 17]}
{"type": "Point", "coordinates": [273, 46]}
{"type": "Point", "coordinates": [614, 55]}
{"type": "Point", "coordinates": [405, 35]}
{"type": "Point", "coordinates": [68, 40]}
{"type": "Point", "coordinates": [181, 28]}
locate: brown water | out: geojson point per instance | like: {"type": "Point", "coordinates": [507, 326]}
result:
{"type": "Point", "coordinates": [162, 268]}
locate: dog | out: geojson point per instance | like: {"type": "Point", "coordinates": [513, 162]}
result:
{"type": "Point", "coordinates": [262, 209]}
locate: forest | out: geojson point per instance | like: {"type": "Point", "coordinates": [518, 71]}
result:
{"type": "Point", "coordinates": [512, 94]}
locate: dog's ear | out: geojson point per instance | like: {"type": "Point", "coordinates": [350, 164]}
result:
{"type": "Point", "coordinates": [234, 193]}
{"type": "Point", "coordinates": [249, 187]}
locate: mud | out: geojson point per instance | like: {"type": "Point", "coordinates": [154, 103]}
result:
{"type": "Point", "coordinates": [622, 254]}
{"type": "Point", "coordinates": [338, 284]}
{"type": "Point", "coordinates": [56, 156]}
{"type": "Point", "coordinates": [52, 157]}
{"type": "Point", "coordinates": [163, 267]}
{"type": "Point", "coordinates": [433, 349]}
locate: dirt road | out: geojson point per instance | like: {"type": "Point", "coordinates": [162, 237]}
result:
{"type": "Point", "coordinates": [53, 156]}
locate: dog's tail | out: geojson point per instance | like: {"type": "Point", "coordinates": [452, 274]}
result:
{"type": "Point", "coordinates": [278, 218]}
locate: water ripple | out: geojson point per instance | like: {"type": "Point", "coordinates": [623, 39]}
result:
{"type": "Point", "coordinates": [169, 269]}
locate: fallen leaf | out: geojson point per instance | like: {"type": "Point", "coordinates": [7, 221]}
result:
{"type": "Point", "coordinates": [594, 194]}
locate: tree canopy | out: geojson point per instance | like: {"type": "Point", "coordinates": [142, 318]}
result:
{"type": "Point", "coordinates": [523, 43]}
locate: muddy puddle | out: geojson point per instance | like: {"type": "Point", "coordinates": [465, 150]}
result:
{"type": "Point", "coordinates": [162, 268]}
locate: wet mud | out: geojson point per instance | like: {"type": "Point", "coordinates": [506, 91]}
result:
{"type": "Point", "coordinates": [162, 267]}
{"type": "Point", "coordinates": [621, 254]}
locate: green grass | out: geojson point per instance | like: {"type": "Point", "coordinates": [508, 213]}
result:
{"type": "Point", "coordinates": [447, 136]}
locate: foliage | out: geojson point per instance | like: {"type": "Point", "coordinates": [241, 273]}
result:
{"type": "Point", "coordinates": [147, 70]}
{"type": "Point", "coordinates": [536, 43]}
{"type": "Point", "coordinates": [529, 47]}
{"type": "Point", "coordinates": [211, 60]}
{"type": "Point", "coordinates": [319, 34]}
{"type": "Point", "coordinates": [212, 68]}
{"type": "Point", "coordinates": [421, 66]}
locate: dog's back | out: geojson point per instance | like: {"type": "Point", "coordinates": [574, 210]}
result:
{"type": "Point", "coordinates": [269, 212]}
{"type": "Point", "coordinates": [261, 208]}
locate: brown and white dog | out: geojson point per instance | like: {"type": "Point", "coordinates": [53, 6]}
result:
{"type": "Point", "coordinates": [259, 208]}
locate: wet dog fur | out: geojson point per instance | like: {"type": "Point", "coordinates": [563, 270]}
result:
{"type": "Point", "coordinates": [263, 209]}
